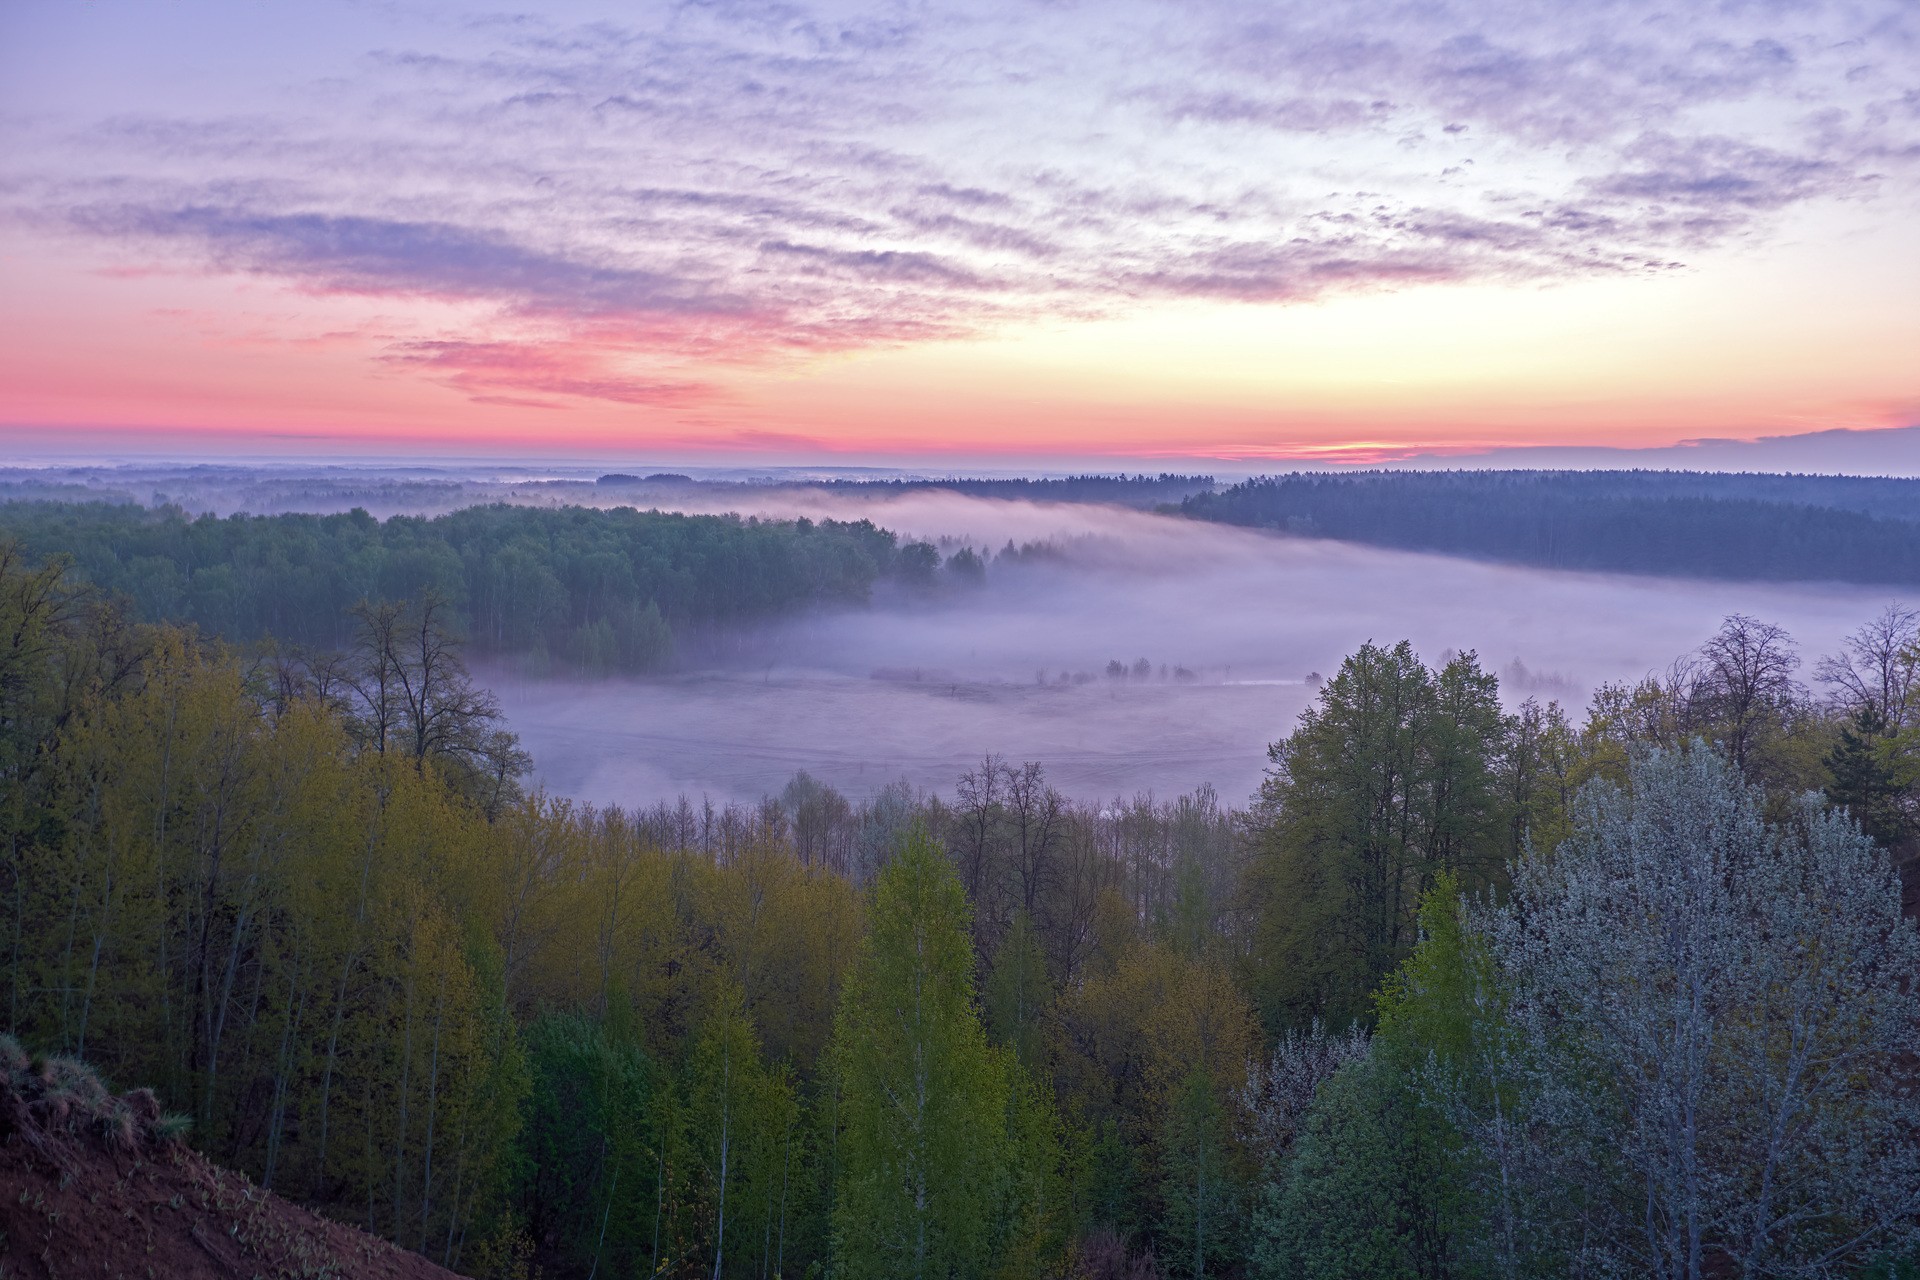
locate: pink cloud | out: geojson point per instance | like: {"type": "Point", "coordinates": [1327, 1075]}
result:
{"type": "Point", "coordinates": [496, 372]}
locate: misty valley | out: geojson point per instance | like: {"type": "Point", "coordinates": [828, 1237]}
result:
{"type": "Point", "coordinates": [1103, 878]}
{"type": "Point", "coordinates": [711, 640]}
{"type": "Point", "coordinates": [910, 627]}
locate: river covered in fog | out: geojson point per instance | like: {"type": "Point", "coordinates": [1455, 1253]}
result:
{"type": "Point", "coordinates": [1232, 626]}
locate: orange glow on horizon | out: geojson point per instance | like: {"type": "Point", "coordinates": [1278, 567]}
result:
{"type": "Point", "coordinates": [136, 358]}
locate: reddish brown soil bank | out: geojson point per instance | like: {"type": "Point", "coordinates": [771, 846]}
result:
{"type": "Point", "coordinates": [93, 1185]}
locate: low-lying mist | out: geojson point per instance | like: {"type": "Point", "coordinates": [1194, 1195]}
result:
{"type": "Point", "coordinates": [1220, 633]}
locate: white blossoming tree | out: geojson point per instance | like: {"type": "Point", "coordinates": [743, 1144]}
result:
{"type": "Point", "coordinates": [1704, 1062]}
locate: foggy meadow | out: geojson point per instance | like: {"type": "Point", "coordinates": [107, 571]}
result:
{"type": "Point", "coordinates": [1232, 624]}
{"type": "Point", "coordinates": [918, 681]}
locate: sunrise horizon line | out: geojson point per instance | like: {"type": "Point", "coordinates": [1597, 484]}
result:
{"type": "Point", "coordinates": [55, 447]}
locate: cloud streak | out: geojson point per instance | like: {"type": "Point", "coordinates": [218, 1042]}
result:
{"type": "Point", "coordinates": [503, 372]}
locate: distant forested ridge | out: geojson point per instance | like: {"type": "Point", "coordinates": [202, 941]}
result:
{"type": "Point", "coordinates": [1692, 524]}
{"type": "Point", "coordinates": [600, 590]}
{"type": "Point", "coordinates": [1120, 490]}
{"type": "Point", "coordinates": [199, 488]}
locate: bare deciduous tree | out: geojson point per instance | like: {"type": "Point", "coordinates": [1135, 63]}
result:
{"type": "Point", "coordinates": [1878, 669]}
{"type": "Point", "coordinates": [980, 795]}
{"type": "Point", "coordinates": [823, 826]}
{"type": "Point", "coordinates": [1037, 814]}
{"type": "Point", "coordinates": [415, 696]}
{"type": "Point", "coordinates": [1743, 683]}
{"type": "Point", "coordinates": [376, 681]}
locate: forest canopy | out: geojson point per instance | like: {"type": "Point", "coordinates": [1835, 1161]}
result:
{"type": "Point", "coordinates": [1469, 991]}
{"type": "Point", "coordinates": [598, 590]}
{"type": "Point", "coordinates": [1670, 523]}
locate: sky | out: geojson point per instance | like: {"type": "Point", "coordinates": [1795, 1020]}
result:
{"type": "Point", "coordinates": [1346, 231]}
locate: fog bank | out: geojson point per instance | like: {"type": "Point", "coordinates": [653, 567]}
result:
{"type": "Point", "coordinates": [1232, 624]}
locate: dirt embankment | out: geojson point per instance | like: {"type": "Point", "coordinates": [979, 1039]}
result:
{"type": "Point", "coordinates": [97, 1185]}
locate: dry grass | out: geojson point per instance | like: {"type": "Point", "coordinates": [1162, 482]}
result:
{"type": "Point", "coordinates": [59, 1095]}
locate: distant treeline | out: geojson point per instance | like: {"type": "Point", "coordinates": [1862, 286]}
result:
{"type": "Point", "coordinates": [1755, 527]}
{"type": "Point", "coordinates": [1123, 490]}
{"type": "Point", "coordinates": [428, 491]}
{"type": "Point", "coordinates": [597, 590]}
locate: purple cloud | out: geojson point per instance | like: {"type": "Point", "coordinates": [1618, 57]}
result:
{"type": "Point", "coordinates": [726, 178]}
{"type": "Point", "coordinates": [375, 255]}
{"type": "Point", "coordinates": [501, 372]}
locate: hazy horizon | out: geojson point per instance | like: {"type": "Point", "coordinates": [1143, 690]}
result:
{"type": "Point", "coordinates": [1880, 451]}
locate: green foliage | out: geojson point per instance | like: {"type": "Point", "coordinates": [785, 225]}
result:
{"type": "Point", "coordinates": [1441, 996]}
{"type": "Point", "coordinates": [923, 1097]}
{"type": "Point", "coordinates": [1846, 528]}
{"type": "Point", "coordinates": [1201, 1213]}
{"type": "Point", "coordinates": [1864, 779]}
{"type": "Point", "coordinates": [1377, 1182]}
{"type": "Point", "coordinates": [602, 590]}
{"type": "Point", "coordinates": [1351, 1204]}
{"type": "Point", "coordinates": [1188, 923]}
{"type": "Point", "coordinates": [1110, 1181]}
{"type": "Point", "coordinates": [1018, 994]}
{"type": "Point", "coordinates": [587, 1175]}
{"type": "Point", "coordinates": [742, 1114]}
{"type": "Point", "coordinates": [1393, 778]}
{"type": "Point", "coordinates": [1036, 1215]}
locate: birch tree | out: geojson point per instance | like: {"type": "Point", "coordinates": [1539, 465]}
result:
{"type": "Point", "coordinates": [922, 1095]}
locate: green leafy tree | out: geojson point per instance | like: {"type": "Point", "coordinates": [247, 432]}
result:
{"type": "Point", "coordinates": [1864, 782]}
{"type": "Point", "coordinates": [922, 1095]}
{"type": "Point", "coordinates": [1391, 779]}
{"type": "Point", "coordinates": [586, 1182]}
{"type": "Point", "coordinates": [1110, 1181]}
{"type": "Point", "coordinates": [1369, 1180]}
{"type": "Point", "coordinates": [1345, 1207]}
{"type": "Point", "coordinates": [741, 1113]}
{"type": "Point", "coordinates": [1197, 1190]}
{"type": "Point", "coordinates": [1019, 993]}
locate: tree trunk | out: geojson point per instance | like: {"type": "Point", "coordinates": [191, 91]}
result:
{"type": "Point", "coordinates": [726, 1107]}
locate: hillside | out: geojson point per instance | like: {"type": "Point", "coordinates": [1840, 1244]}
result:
{"type": "Point", "coordinates": [97, 1185]}
{"type": "Point", "coordinates": [598, 590]}
{"type": "Point", "coordinates": [1775, 528]}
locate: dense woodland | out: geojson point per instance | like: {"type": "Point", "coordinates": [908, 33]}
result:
{"type": "Point", "coordinates": [1467, 990]}
{"type": "Point", "coordinates": [1119, 490]}
{"type": "Point", "coordinates": [1122, 490]}
{"type": "Point", "coordinates": [429, 490]}
{"type": "Point", "coordinates": [592, 590]}
{"type": "Point", "coordinates": [1676, 523]}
